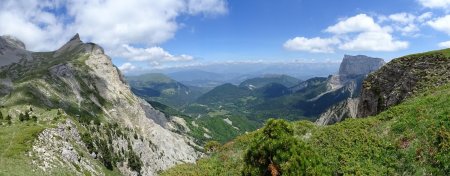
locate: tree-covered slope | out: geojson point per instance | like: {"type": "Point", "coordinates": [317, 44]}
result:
{"type": "Point", "coordinates": [412, 138]}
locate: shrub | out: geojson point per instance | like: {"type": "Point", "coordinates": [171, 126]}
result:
{"type": "Point", "coordinates": [134, 162]}
{"type": "Point", "coordinates": [275, 151]}
{"type": "Point", "coordinates": [212, 146]}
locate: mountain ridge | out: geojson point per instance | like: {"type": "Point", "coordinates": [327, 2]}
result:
{"type": "Point", "coordinates": [90, 95]}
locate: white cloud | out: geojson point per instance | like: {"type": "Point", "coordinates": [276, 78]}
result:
{"type": "Point", "coordinates": [374, 41]}
{"type": "Point", "coordinates": [358, 23]}
{"type": "Point", "coordinates": [425, 16]}
{"type": "Point", "coordinates": [148, 22]}
{"type": "Point", "coordinates": [153, 54]}
{"type": "Point", "coordinates": [441, 24]}
{"type": "Point", "coordinates": [444, 4]}
{"type": "Point", "coordinates": [207, 6]}
{"type": "Point", "coordinates": [358, 33]}
{"type": "Point", "coordinates": [28, 21]}
{"type": "Point", "coordinates": [404, 18]}
{"type": "Point", "coordinates": [406, 22]}
{"type": "Point", "coordinates": [370, 35]}
{"type": "Point", "coordinates": [444, 44]}
{"type": "Point", "coordinates": [110, 23]}
{"type": "Point", "coordinates": [314, 45]}
{"type": "Point", "coordinates": [127, 67]}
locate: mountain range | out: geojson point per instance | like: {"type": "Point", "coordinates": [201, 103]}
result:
{"type": "Point", "coordinates": [256, 99]}
{"type": "Point", "coordinates": [72, 112]}
{"type": "Point", "coordinates": [402, 129]}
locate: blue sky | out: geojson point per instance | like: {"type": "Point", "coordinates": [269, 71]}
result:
{"type": "Point", "coordinates": [145, 34]}
{"type": "Point", "coordinates": [255, 29]}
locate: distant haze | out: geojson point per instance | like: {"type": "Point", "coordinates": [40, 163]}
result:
{"type": "Point", "coordinates": [218, 73]}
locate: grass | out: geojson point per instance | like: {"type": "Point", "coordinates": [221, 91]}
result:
{"type": "Point", "coordinates": [14, 145]}
{"type": "Point", "coordinates": [412, 138]}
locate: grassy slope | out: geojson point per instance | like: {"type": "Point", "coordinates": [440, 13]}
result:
{"type": "Point", "coordinates": [412, 138]}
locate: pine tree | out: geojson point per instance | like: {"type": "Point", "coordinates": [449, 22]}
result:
{"type": "Point", "coordinates": [275, 151]}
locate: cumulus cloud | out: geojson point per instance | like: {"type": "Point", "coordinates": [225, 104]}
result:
{"type": "Point", "coordinates": [127, 67]}
{"type": "Point", "coordinates": [404, 18]}
{"type": "Point", "coordinates": [314, 45]}
{"type": "Point", "coordinates": [444, 44]}
{"type": "Point", "coordinates": [374, 41]}
{"type": "Point", "coordinates": [406, 23]}
{"type": "Point", "coordinates": [441, 24]}
{"type": "Point", "coordinates": [31, 23]}
{"type": "Point", "coordinates": [443, 4]}
{"type": "Point", "coordinates": [425, 16]}
{"type": "Point", "coordinates": [153, 54]}
{"type": "Point", "coordinates": [358, 23]}
{"type": "Point", "coordinates": [47, 24]}
{"type": "Point", "coordinates": [357, 33]}
{"type": "Point", "coordinates": [371, 37]}
{"type": "Point", "coordinates": [213, 7]}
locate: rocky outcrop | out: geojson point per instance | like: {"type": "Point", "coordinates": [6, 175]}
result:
{"type": "Point", "coordinates": [402, 78]}
{"type": "Point", "coordinates": [61, 147]}
{"type": "Point", "coordinates": [359, 65]}
{"type": "Point", "coordinates": [339, 112]}
{"type": "Point", "coordinates": [352, 71]}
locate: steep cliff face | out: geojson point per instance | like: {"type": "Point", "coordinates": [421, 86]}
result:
{"type": "Point", "coordinates": [402, 78]}
{"type": "Point", "coordinates": [345, 109]}
{"type": "Point", "coordinates": [117, 128]}
{"type": "Point", "coordinates": [352, 72]}
{"type": "Point", "coordinates": [359, 65]}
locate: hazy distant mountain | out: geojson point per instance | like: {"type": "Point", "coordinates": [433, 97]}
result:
{"type": "Point", "coordinates": [236, 72]}
{"type": "Point", "coordinates": [161, 88]}
{"type": "Point", "coordinates": [259, 82]}
{"type": "Point", "coordinates": [198, 78]}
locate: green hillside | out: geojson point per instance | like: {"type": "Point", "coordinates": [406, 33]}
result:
{"type": "Point", "coordinates": [412, 138]}
{"type": "Point", "coordinates": [259, 82]}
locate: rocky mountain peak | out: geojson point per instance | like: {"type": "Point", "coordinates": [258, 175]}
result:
{"type": "Point", "coordinates": [12, 42]}
{"type": "Point", "coordinates": [359, 65]}
{"type": "Point", "coordinates": [81, 82]}
{"type": "Point", "coordinates": [76, 37]}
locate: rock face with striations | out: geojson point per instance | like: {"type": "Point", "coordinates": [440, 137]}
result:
{"type": "Point", "coordinates": [359, 65]}
{"type": "Point", "coordinates": [352, 71]}
{"type": "Point", "coordinates": [402, 78]}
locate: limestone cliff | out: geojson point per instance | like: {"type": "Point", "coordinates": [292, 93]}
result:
{"type": "Point", "coordinates": [402, 78]}
{"type": "Point", "coordinates": [359, 65]}
{"type": "Point", "coordinates": [352, 71]}
{"type": "Point", "coordinates": [98, 117]}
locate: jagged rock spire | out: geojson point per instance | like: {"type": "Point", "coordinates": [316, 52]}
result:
{"type": "Point", "coordinates": [75, 37]}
